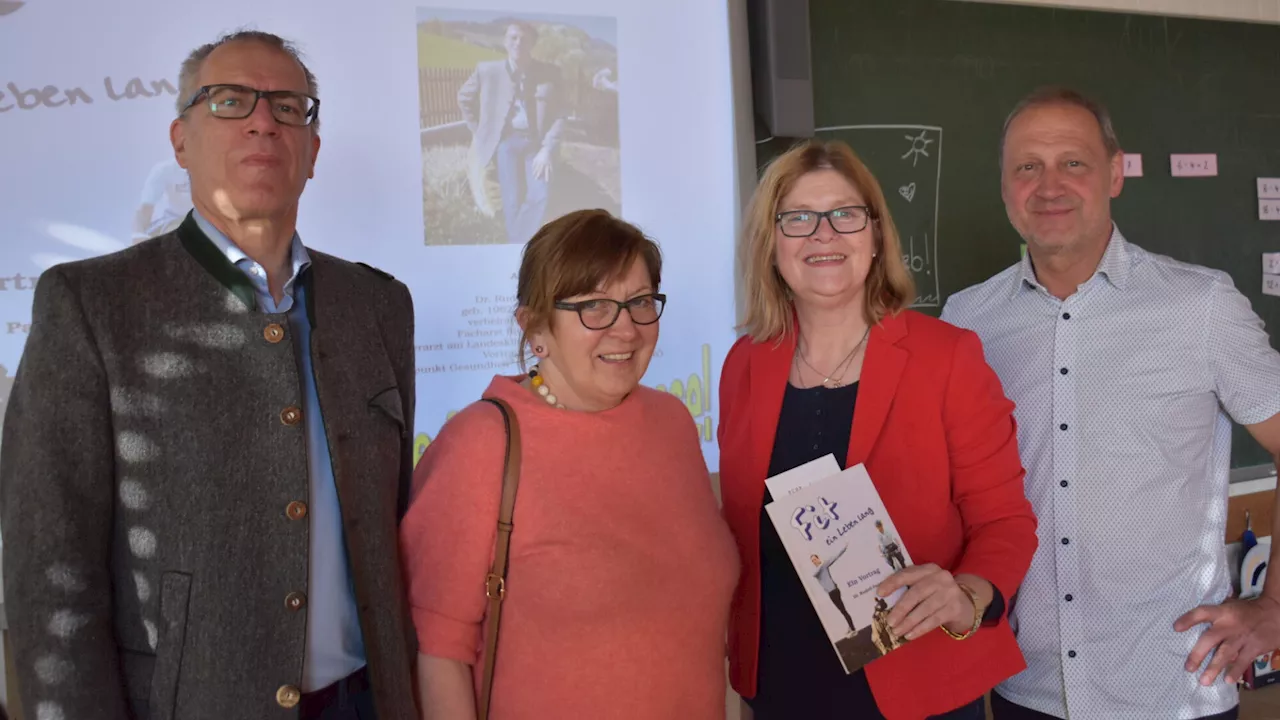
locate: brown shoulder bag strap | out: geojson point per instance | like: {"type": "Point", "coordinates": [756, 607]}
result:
{"type": "Point", "coordinates": [495, 581]}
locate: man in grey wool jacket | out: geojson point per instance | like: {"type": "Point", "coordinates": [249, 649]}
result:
{"type": "Point", "coordinates": [209, 444]}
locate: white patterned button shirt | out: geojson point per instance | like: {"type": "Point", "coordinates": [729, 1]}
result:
{"type": "Point", "coordinates": [1124, 395]}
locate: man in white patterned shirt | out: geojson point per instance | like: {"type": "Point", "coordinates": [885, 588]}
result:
{"type": "Point", "coordinates": [1127, 368]}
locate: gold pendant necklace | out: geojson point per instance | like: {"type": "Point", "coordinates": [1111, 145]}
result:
{"type": "Point", "coordinates": [840, 369]}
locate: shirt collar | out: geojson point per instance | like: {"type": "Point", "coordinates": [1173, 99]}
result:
{"type": "Point", "coordinates": [1115, 265]}
{"type": "Point", "coordinates": [1117, 261]}
{"type": "Point", "coordinates": [299, 259]}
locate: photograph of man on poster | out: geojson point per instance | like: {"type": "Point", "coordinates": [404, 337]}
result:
{"type": "Point", "coordinates": [516, 116]}
{"type": "Point", "coordinates": [519, 122]}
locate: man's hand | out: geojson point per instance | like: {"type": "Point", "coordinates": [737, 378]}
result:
{"type": "Point", "coordinates": [1239, 631]}
{"type": "Point", "coordinates": [542, 165]}
{"type": "Point", "coordinates": [933, 598]}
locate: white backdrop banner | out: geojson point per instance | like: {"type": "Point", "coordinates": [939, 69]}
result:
{"type": "Point", "coordinates": [642, 105]}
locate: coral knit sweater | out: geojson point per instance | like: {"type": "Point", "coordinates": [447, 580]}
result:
{"type": "Point", "coordinates": [621, 568]}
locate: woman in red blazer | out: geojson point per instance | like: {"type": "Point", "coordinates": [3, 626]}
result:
{"type": "Point", "coordinates": [833, 363]}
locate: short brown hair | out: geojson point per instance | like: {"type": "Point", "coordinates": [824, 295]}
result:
{"type": "Point", "coordinates": [574, 255]}
{"type": "Point", "coordinates": [889, 286]}
{"type": "Point", "coordinates": [1056, 95]}
{"type": "Point", "coordinates": [525, 26]}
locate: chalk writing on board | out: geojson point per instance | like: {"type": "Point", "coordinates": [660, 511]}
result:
{"type": "Point", "coordinates": [917, 177]}
{"type": "Point", "coordinates": [1269, 188]}
{"type": "Point", "coordinates": [1269, 209]}
{"type": "Point", "coordinates": [919, 146]}
{"type": "Point", "coordinates": [1202, 165]}
{"type": "Point", "coordinates": [1132, 165]}
{"type": "Point", "coordinates": [1270, 284]}
{"type": "Point", "coordinates": [917, 258]}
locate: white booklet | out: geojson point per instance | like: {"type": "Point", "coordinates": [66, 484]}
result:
{"type": "Point", "coordinates": [843, 544]}
{"type": "Point", "coordinates": [786, 483]}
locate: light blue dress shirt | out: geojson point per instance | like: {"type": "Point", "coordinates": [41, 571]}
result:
{"type": "Point", "coordinates": [335, 646]}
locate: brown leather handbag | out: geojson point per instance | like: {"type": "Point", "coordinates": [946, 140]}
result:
{"type": "Point", "coordinates": [495, 581]}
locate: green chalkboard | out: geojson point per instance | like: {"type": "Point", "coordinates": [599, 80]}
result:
{"type": "Point", "coordinates": [921, 89]}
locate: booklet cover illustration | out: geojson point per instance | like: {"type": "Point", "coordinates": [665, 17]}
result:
{"type": "Point", "coordinates": [843, 544]}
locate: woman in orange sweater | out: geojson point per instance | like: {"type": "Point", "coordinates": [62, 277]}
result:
{"type": "Point", "coordinates": [621, 568]}
{"type": "Point", "coordinates": [835, 364]}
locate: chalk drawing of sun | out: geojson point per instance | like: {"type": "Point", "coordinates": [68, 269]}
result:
{"type": "Point", "coordinates": [919, 146]}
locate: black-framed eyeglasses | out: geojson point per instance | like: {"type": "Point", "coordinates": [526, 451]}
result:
{"type": "Point", "coordinates": [844, 220]}
{"type": "Point", "coordinates": [236, 102]}
{"type": "Point", "coordinates": [602, 313]}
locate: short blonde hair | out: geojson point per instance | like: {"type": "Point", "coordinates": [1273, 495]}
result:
{"type": "Point", "coordinates": [889, 286]}
{"type": "Point", "coordinates": [575, 255]}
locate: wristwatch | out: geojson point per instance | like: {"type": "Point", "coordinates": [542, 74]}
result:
{"type": "Point", "coordinates": [977, 614]}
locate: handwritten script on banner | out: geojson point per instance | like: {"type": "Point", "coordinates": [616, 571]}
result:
{"type": "Point", "coordinates": [16, 97]}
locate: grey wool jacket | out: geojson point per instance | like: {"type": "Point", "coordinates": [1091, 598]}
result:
{"type": "Point", "coordinates": [154, 479]}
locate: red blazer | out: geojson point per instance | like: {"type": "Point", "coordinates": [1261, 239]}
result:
{"type": "Point", "coordinates": [936, 433]}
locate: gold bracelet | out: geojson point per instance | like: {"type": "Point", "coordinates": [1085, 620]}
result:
{"type": "Point", "coordinates": [977, 615]}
